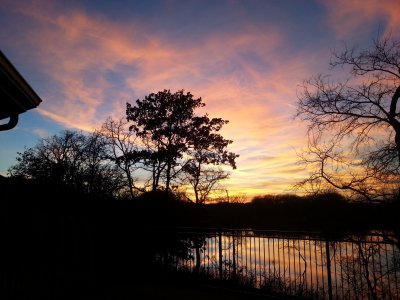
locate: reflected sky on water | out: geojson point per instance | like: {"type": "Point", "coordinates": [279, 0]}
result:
{"type": "Point", "coordinates": [306, 265]}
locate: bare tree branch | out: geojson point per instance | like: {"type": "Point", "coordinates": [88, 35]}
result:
{"type": "Point", "coordinates": [354, 126]}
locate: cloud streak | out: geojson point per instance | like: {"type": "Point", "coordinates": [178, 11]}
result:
{"type": "Point", "coordinates": [349, 17]}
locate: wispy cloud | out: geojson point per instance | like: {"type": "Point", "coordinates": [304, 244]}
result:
{"type": "Point", "coordinates": [40, 132]}
{"type": "Point", "coordinates": [350, 17]}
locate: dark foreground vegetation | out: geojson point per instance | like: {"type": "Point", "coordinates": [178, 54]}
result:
{"type": "Point", "coordinates": [57, 241]}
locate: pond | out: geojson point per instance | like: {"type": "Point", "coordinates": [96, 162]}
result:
{"type": "Point", "coordinates": [308, 265]}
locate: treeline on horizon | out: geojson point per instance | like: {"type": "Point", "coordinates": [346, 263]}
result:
{"type": "Point", "coordinates": [160, 210]}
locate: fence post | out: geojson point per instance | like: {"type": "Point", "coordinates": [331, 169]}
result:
{"type": "Point", "coordinates": [220, 252]}
{"type": "Point", "coordinates": [233, 255]}
{"type": "Point", "coordinates": [328, 266]}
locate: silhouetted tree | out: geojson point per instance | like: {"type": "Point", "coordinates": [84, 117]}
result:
{"type": "Point", "coordinates": [354, 124]}
{"type": "Point", "coordinates": [174, 136]}
{"type": "Point", "coordinates": [207, 149]}
{"type": "Point", "coordinates": [72, 159]}
{"type": "Point", "coordinates": [57, 158]}
{"type": "Point", "coordinates": [122, 149]}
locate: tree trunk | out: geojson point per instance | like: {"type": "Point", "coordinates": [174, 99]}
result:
{"type": "Point", "coordinates": [168, 175]}
{"type": "Point", "coordinates": [196, 185]}
{"type": "Point", "coordinates": [393, 120]}
{"type": "Point", "coordinates": [196, 191]}
{"type": "Point", "coordinates": [397, 141]}
{"type": "Point", "coordinates": [154, 186]}
{"type": "Point", "coordinates": [130, 182]}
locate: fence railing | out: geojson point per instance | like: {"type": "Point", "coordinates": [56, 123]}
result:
{"type": "Point", "coordinates": [302, 264]}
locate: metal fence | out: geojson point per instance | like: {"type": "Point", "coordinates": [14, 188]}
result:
{"type": "Point", "coordinates": [301, 264]}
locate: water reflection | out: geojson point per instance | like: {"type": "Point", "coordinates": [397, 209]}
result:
{"type": "Point", "coordinates": [307, 265]}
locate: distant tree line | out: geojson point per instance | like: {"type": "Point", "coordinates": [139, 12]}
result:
{"type": "Point", "coordinates": [161, 145]}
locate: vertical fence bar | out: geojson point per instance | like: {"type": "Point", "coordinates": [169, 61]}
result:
{"type": "Point", "coordinates": [305, 265]}
{"type": "Point", "coordinates": [387, 269]}
{"type": "Point", "coordinates": [348, 290]}
{"type": "Point", "coordinates": [341, 269]}
{"type": "Point", "coordinates": [220, 253]}
{"type": "Point", "coordinates": [279, 259]}
{"type": "Point", "coordinates": [216, 256]}
{"type": "Point", "coordinates": [311, 267]}
{"type": "Point", "coordinates": [227, 249]}
{"type": "Point", "coordinates": [259, 258]}
{"type": "Point", "coordinates": [229, 238]}
{"type": "Point", "coordinates": [269, 259]}
{"type": "Point", "coordinates": [209, 253]}
{"type": "Point", "coordinates": [273, 257]}
{"type": "Point", "coordinates": [239, 255]}
{"type": "Point", "coordinates": [255, 257]}
{"type": "Point", "coordinates": [322, 268]}
{"type": "Point", "coordinates": [316, 264]}
{"type": "Point", "coordinates": [290, 274]}
{"type": "Point", "coordinates": [284, 260]}
{"type": "Point", "coordinates": [204, 247]}
{"type": "Point", "coordinates": [253, 254]}
{"type": "Point", "coordinates": [241, 252]}
{"type": "Point", "coordinates": [253, 270]}
{"type": "Point", "coordinates": [354, 266]}
{"type": "Point", "coordinates": [245, 252]}
{"type": "Point", "coordinates": [257, 264]}
{"type": "Point", "coordinates": [294, 266]}
{"type": "Point", "coordinates": [395, 263]}
{"type": "Point", "coordinates": [365, 265]}
{"type": "Point", "coordinates": [265, 268]}
{"type": "Point", "coordinates": [250, 256]}
{"type": "Point", "coordinates": [301, 283]}
{"type": "Point", "coordinates": [373, 268]}
{"type": "Point", "coordinates": [380, 269]}
{"type": "Point", "coordinates": [234, 256]}
{"type": "Point", "coordinates": [328, 267]}
{"type": "Point", "coordinates": [335, 270]}
{"type": "Point", "coordinates": [335, 267]}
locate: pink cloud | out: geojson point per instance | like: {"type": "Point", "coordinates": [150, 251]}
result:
{"type": "Point", "coordinates": [348, 17]}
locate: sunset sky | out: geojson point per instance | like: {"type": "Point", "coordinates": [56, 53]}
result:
{"type": "Point", "coordinates": [246, 59]}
